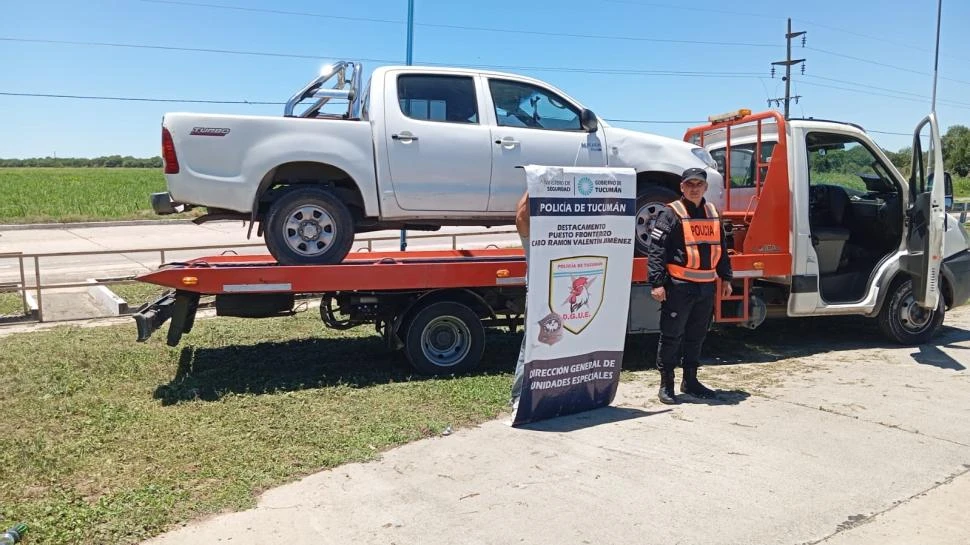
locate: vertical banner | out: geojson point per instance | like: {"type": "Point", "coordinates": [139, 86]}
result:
{"type": "Point", "coordinates": [582, 228]}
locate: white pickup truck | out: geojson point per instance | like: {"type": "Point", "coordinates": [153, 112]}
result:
{"type": "Point", "coordinates": [419, 148]}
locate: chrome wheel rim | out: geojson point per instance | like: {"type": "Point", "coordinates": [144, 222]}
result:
{"type": "Point", "coordinates": [309, 230]}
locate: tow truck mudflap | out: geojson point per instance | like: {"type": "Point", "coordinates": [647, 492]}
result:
{"type": "Point", "coordinates": [178, 306]}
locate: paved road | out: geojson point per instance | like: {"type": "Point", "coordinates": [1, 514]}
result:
{"type": "Point", "coordinates": [171, 235]}
{"type": "Point", "coordinates": [838, 441]}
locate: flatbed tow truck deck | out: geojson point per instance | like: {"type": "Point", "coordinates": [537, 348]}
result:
{"type": "Point", "coordinates": [433, 304]}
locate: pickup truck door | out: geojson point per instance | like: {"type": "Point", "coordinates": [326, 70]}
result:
{"type": "Point", "coordinates": [533, 125]}
{"type": "Point", "coordinates": [926, 216]}
{"type": "Point", "coordinates": [438, 149]}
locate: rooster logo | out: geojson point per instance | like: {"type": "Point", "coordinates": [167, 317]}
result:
{"type": "Point", "coordinates": [579, 293]}
{"type": "Point", "coordinates": [576, 286]}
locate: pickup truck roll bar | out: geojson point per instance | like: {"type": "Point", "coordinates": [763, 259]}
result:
{"type": "Point", "coordinates": [342, 89]}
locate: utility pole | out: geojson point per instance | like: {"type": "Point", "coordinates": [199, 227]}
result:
{"type": "Point", "coordinates": [788, 63]}
{"type": "Point", "coordinates": [404, 232]}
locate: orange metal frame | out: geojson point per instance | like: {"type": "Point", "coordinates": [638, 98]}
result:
{"type": "Point", "coordinates": [377, 271]}
{"type": "Point", "coordinates": [763, 234]}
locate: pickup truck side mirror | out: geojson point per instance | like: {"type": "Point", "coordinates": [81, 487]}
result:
{"type": "Point", "coordinates": [587, 119]}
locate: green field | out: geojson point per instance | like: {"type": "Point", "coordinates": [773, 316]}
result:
{"type": "Point", "coordinates": [41, 195]}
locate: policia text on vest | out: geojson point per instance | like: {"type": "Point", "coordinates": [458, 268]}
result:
{"type": "Point", "coordinates": [686, 256]}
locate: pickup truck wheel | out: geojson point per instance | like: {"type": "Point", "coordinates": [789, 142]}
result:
{"type": "Point", "coordinates": [650, 201]}
{"type": "Point", "coordinates": [309, 226]}
{"type": "Point", "coordinates": [445, 338]}
{"type": "Point", "coordinates": [905, 322]}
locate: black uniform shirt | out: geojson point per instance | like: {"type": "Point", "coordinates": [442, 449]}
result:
{"type": "Point", "coordinates": [667, 246]}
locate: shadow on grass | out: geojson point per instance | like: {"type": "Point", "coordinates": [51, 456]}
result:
{"type": "Point", "coordinates": [210, 373]}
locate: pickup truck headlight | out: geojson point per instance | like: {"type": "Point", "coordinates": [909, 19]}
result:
{"type": "Point", "coordinates": [703, 155]}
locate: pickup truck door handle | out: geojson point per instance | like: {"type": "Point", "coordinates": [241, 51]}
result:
{"type": "Point", "coordinates": [508, 142]}
{"type": "Point", "coordinates": [405, 136]}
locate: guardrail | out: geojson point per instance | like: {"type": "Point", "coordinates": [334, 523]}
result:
{"type": "Point", "coordinates": [39, 287]}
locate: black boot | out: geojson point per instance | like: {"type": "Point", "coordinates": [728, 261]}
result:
{"type": "Point", "coordinates": [691, 386]}
{"type": "Point", "coordinates": [666, 393]}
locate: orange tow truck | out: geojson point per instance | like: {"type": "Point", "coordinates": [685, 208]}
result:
{"type": "Point", "coordinates": [820, 222]}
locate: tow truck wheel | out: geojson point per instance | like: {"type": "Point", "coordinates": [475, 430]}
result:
{"type": "Point", "coordinates": [650, 201]}
{"type": "Point", "coordinates": [445, 338]}
{"type": "Point", "coordinates": [905, 322]}
{"type": "Point", "coordinates": [309, 226]}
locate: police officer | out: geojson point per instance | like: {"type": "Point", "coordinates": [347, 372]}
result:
{"type": "Point", "coordinates": [686, 255]}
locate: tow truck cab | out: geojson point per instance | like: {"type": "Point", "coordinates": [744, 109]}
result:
{"type": "Point", "coordinates": [861, 237]}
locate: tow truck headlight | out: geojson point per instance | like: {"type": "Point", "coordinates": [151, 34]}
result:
{"type": "Point", "coordinates": [703, 155]}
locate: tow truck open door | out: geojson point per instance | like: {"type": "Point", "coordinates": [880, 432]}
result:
{"type": "Point", "coordinates": [926, 215]}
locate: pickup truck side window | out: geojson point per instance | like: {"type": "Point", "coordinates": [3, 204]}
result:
{"type": "Point", "coordinates": [448, 99]}
{"type": "Point", "coordinates": [519, 104]}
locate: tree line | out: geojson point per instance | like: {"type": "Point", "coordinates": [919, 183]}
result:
{"type": "Point", "coordinates": [108, 161]}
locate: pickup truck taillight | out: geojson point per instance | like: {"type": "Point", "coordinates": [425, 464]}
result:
{"type": "Point", "coordinates": [168, 153]}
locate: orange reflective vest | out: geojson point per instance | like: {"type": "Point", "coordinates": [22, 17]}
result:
{"type": "Point", "coordinates": [697, 232]}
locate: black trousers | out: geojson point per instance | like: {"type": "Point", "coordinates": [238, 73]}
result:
{"type": "Point", "coordinates": [684, 320]}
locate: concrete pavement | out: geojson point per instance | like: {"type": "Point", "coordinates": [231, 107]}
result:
{"type": "Point", "coordinates": [836, 441]}
{"type": "Point", "coordinates": [173, 235]}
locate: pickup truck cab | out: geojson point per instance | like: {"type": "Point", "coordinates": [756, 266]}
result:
{"type": "Point", "coordinates": [417, 149]}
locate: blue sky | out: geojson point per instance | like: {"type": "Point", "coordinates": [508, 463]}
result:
{"type": "Point", "coordinates": [868, 61]}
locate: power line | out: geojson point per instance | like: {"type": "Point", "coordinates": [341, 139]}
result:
{"type": "Point", "coordinates": [897, 91]}
{"type": "Point", "coordinates": [798, 19]}
{"type": "Point", "coordinates": [886, 65]}
{"type": "Point", "coordinates": [264, 103]}
{"type": "Point", "coordinates": [870, 93]}
{"type": "Point", "coordinates": [620, 71]}
{"type": "Point", "coordinates": [466, 27]}
{"type": "Point", "coordinates": [141, 99]}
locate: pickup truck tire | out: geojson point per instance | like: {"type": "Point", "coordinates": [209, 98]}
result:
{"type": "Point", "coordinates": [650, 199]}
{"type": "Point", "coordinates": [309, 226]}
{"type": "Point", "coordinates": [445, 338]}
{"type": "Point", "coordinates": [903, 321]}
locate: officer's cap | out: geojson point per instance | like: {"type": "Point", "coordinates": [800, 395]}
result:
{"type": "Point", "coordinates": [694, 174]}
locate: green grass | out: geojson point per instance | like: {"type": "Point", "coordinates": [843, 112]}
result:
{"type": "Point", "coordinates": [42, 195]}
{"type": "Point", "coordinates": [106, 440]}
{"type": "Point", "coordinates": [137, 293]}
{"type": "Point", "coordinates": [11, 304]}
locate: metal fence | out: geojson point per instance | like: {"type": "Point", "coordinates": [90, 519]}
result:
{"type": "Point", "coordinates": [29, 314]}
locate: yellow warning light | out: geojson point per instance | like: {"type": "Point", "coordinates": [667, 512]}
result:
{"type": "Point", "coordinates": [727, 116]}
{"type": "Point", "coordinates": [190, 280]}
{"type": "Point", "coordinates": [759, 265]}
{"type": "Point", "coordinates": [502, 273]}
